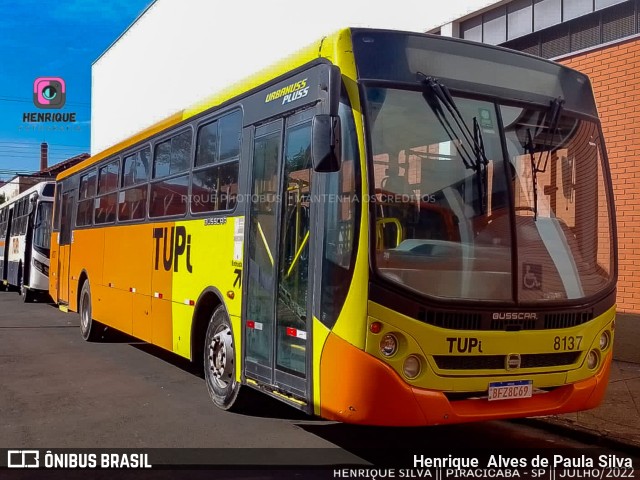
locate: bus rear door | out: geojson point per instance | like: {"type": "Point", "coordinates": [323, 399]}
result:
{"type": "Point", "coordinates": [64, 252]}
{"type": "Point", "coordinates": [4, 265]}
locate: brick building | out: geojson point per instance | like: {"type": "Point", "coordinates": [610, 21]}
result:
{"type": "Point", "coordinates": [20, 183]}
{"type": "Point", "coordinates": [600, 38]}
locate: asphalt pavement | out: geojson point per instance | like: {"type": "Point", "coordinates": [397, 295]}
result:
{"type": "Point", "coordinates": [58, 391]}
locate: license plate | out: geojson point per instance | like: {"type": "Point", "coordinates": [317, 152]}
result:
{"type": "Point", "coordinates": [510, 390]}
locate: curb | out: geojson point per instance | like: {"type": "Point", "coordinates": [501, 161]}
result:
{"type": "Point", "coordinates": [582, 434]}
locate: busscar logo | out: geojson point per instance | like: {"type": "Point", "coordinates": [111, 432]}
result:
{"type": "Point", "coordinates": [49, 92]}
{"type": "Point", "coordinates": [23, 459]}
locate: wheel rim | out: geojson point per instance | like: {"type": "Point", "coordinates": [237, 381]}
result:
{"type": "Point", "coordinates": [84, 318]}
{"type": "Point", "coordinates": [221, 357]}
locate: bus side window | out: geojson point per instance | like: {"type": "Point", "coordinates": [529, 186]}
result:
{"type": "Point", "coordinates": [168, 196]}
{"type": "Point", "coordinates": [87, 190]}
{"type": "Point", "coordinates": [340, 220]}
{"type": "Point", "coordinates": [132, 200]}
{"type": "Point", "coordinates": [215, 186]}
{"type": "Point", "coordinates": [105, 205]}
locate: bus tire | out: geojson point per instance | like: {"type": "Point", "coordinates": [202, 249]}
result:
{"type": "Point", "coordinates": [219, 361]}
{"type": "Point", "coordinates": [89, 328]}
{"type": "Point", "coordinates": [27, 294]}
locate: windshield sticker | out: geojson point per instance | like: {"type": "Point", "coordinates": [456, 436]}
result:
{"type": "Point", "coordinates": [485, 120]}
{"type": "Point", "coordinates": [238, 239]}
{"type": "Point", "coordinates": [532, 277]}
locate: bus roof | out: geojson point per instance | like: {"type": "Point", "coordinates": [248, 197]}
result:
{"type": "Point", "coordinates": [330, 47]}
{"type": "Point", "coordinates": [37, 188]}
{"type": "Point", "coordinates": [318, 49]}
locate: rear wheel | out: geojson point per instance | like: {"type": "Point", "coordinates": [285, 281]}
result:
{"type": "Point", "coordinates": [27, 294]}
{"type": "Point", "coordinates": [219, 361]}
{"type": "Point", "coordinates": [89, 328]}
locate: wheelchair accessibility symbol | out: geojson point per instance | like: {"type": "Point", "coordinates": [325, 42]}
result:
{"type": "Point", "coordinates": [532, 276]}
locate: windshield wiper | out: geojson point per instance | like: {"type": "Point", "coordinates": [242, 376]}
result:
{"type": "Point", "coordinates": [436, 94]}
{"type": "Point", "coordinates": [435, 102]}
{"type": "Point", "coordinates": [554, 113]}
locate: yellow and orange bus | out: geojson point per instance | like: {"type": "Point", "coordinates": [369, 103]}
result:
{"type": "Point", "coordinates": [385, 228]}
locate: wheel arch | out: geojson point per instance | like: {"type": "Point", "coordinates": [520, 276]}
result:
{"type": "Point", "coordinates": [210, 299]}
{"type": "Point", "coordinates": [84, 277]}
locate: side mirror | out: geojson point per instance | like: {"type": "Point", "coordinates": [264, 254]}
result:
{"type": "Point", "coordinates": [326, 143]}
{"type": "Point", "coordinates": [32, 202]}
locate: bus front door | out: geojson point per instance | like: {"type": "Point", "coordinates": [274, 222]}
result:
{"type": "Point", "coordinates": [64, 250]}
{"type": "Point", "coordinates": [277, 318]}
{"type": "Point", "coordinates": [4, 266]}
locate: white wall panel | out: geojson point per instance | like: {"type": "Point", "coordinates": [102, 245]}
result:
{"type": "Point", "coordinates": [181, 51]}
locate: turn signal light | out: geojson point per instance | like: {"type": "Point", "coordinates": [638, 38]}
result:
{"type": "Point", "coordinates": [375, 327]}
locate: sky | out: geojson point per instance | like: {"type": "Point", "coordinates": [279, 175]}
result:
{"type": "Point", "coordinates": [52, 39]}
{"type": "Point", "coordinates": [63, 38]}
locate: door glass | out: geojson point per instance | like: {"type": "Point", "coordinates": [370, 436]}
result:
{"type": "Point", "coordinates": [65, 227]}
{"type": "Point", "coordinates": [294, 257]}
{"type": "Point", "coordinates": [262, 245]}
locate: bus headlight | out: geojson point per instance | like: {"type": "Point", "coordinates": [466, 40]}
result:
{"type": "Point", "coordinates": [41, 267]}
{"type": "Point", "coordinates": [389, 345]}
{"type": "Point", "coordinates": [411, 367]}
{"type": "Point", "coordinates": [592, 359]}
{"type": "Point", "coordinates": [605, 340]}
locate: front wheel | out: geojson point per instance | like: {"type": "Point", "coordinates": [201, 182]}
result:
{"type": "Point", "coordinates": [27, 294]}
{"type": "Point", "coordinates": [89, 328]}
{"type": "Point", "coordinates": [219, 361]}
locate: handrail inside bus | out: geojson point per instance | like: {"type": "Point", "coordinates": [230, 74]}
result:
{"type": "Point", "coordinates": [380, 224]}
{"type": "Point", "coordinates": [266, 245]}
{"type": "Point", "coordinates": [298, 253]}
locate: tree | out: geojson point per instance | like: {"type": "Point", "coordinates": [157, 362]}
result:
{"type": "Point", "coordinates": [2, 198]}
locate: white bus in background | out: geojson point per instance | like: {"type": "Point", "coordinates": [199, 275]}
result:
{"type": "Point", "coordinates": [25, 236]}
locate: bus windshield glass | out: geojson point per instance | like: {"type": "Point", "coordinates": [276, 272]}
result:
{"type": "Point", "coordinates": [42, 230]}
{"type": "Point", "coordinates": [456, 219]}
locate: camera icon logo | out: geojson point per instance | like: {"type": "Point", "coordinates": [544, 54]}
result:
{"type": "Point", "coordinates": [49, 92]}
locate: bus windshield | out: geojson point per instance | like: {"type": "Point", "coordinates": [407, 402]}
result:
{"type": "Point", "coordinates": [42, 230]}
{"type": "Point", "coordinates": [534, 226]}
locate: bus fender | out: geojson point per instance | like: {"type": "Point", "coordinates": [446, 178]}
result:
{"type": "Point", "coordinates": [84, 276]}
{"type": "Point", "coordinates": [207, 302]}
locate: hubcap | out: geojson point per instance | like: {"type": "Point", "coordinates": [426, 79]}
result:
{"type": "Point", "coordinates": [221, 357]}
{"type": "Point", "coordinates": [84, 318]}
